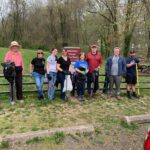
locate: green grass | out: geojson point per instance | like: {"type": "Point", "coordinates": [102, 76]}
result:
{"type": "Point", "coordinates": [104, 113]}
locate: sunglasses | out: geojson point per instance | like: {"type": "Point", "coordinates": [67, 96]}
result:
{"type": "Point", "coordinates": [40, 53]}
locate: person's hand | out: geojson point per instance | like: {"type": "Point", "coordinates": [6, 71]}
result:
{"type": "Point", "coordinates": [132, 63]}
{"type": "Point", "coordinates": [97, 69]}
{"type": "Point", "coordinates": [65, 72]}
{"type": "Point", "coordinates": [83, 72]}
{"type": "Point", "coordinates": [31, 74]}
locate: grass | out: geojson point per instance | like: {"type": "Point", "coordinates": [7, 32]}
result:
{"type": "Point", "coordinates": [57, 138]}
{"type": "Point", "coordinates": [104, 113]}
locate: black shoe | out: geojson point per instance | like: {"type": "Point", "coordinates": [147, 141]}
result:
{"type": "Point", "coordinates": [129, 97]}
{"type": "Point", "coordinates": [135, 96]}
{"type": "Point", "coordinates": [42, 96]}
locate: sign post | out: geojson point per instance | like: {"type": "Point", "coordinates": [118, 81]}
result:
{"type": "Point", "coordinates": [73, 53]}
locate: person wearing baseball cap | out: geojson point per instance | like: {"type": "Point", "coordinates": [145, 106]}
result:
{"type": "Point", "coordinates": [15, 56]}
{"type": "Point", "coordinates": [131, 78]}
{"type": "Point", "coordinates": [94, 60]}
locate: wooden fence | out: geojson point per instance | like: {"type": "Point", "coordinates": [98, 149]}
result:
{"type": "Point", "coordinates": [144, 85]}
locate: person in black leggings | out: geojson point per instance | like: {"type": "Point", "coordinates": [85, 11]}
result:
{"type": "Point", "coordinates": [63, 65]}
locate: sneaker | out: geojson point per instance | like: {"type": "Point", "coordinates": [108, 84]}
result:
{"type": "Point", "coordinates": [135, 96]}
{"type": "Point", "coordinates": [129, 96]}
{"type": "Point", "coordinates": [21, 101]}
{"type": "Point", "coordinates": [12, 103]}
{"type": "Point", "coordinates": [82, 98]}
{"type": "Point", "coordinates": [118, 98]}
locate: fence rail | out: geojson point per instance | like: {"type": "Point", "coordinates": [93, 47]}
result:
{"type": "Point", "coordinates": [101, 82]}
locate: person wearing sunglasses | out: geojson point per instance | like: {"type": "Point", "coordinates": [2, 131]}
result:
{"type": "Point", "coordinates": [37, 70]}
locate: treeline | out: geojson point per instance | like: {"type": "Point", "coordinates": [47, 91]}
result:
{"type": "Point", "coordinates": [57, 23]}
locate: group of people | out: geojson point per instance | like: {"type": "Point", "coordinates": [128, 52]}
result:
{"type": "Point", "coordinates": [86, 68]}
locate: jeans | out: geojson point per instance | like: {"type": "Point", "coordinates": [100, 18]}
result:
{"type": "Point", "coordinates": [92, 78]}
{"type": "Point", "coordinates": [61, 79]}
{"type": "Point", "coordinates": [80, 86]}
{"type": "Point", "coordinates": [51, 85]}
{"type": "Point", "coordinates": [39, 80]}
{"type": "Point", "coordinates": [115, 80]}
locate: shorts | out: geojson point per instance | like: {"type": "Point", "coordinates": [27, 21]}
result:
{"type": "Point", "coordinates": [131, 79]}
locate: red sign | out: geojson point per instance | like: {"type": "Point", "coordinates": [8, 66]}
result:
{"type": "Point", "coordinates": [73, 53]}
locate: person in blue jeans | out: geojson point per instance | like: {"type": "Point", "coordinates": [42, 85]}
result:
{"type": "Point", "coordinates": [52, 73]}
{"type": "Point", "coordinates": [37, 70]}
{"type": "Point", "coordinates": [81, 68]}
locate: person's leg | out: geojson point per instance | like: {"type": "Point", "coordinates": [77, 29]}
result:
{"type": "Point", "coordinates": [18, 81]}
{"type": "Point", "coordinates": [41, 84]}
{"type": "Point", "coordinates": [89, 76]}
{"type": "Point", "coordinates": [134, 81]}
{"type": "Point", "coordinates": [117, 84]}
{"type": "Point", "coordinates": [128, 91]}
{"type": "Point", "coordinates": [11, 87]}
{"type": "Point", "coordinates": [79, 86]}
{"type": "Point", "coordinates": [111, 83]}
{"type": "Point", "coordinates": [38, 83]}
{"type": "Point", "coordinates": [83, 89]}
{"type": "Point", "coordinates": [51, 85]}
{"type": "Point", "coordinates": [96, 84]}
{"type": "Point", "coordinates": [62, 79]}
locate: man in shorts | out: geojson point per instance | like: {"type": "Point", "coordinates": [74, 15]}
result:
{"type": "Point", "coordinates": [131, 75]}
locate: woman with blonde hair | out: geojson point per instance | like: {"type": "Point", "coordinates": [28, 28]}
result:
{"type": "Point", "coordinates": [37, 70]}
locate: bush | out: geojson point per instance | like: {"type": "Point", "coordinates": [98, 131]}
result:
{"type": "Point", "coordinates": [4, 144]}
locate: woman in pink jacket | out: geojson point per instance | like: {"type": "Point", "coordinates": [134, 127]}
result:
{"type": "Point", "coordinates": [14, 55]}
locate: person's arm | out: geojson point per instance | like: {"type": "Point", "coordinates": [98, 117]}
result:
{"type": "Point", "coordinates": [31, 67]}
{"type": "Point", "coordinates": [22, 63]}
{"type": "Point", "coordinates": [124, 66]}
{"type": "Point", "coordinates": [129, 64]}
{"type": "Point", "coordinates": [59, 68]}
{"type": "Point", "coordinates": [107, 66]}
{"type": "Point", "coordinates": [6, 59]}
{"type": "Point", "coordinates": [47, 67]}
{"type": "Point", "coordinates": [100, 61]}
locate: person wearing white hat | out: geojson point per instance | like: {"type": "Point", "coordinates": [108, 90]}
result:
{"type": "Point", "coordinates": [15, 56]}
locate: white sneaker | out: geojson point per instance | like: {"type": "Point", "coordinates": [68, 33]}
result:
{"type": "Point", "coordinates": [12, 103]}
{"type": "Point", "coordinates": [21, 101]}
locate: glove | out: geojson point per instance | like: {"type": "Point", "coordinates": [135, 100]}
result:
{"type": "Point", "coordinates": [49, 77]}
{"type": "Point", "coordinates": [83, 72]}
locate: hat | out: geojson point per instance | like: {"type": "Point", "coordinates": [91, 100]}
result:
{"type": "Point", "coordinates": [14, 43]}
{"type": "Point", "coordinates": [93, 45]}
{"type": "Point", "coordinates": [132, 51]}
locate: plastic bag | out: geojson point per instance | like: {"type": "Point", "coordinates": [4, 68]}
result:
{"type": "Point", "coordinates": [67, 84]}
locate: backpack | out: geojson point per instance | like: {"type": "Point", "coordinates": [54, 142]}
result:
{"type": "Point", "coordinates": [9, 71]}
{"type": "Point", "coordinates": [147, 141]}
